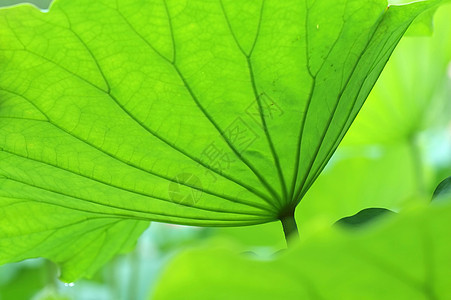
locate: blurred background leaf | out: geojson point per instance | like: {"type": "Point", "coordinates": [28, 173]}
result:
{"type": "Point", "coordinates": [364, 217]}
{"type": "Point", "coordinates": [405, 256]}
{"type": "Point", "coordinates": [443, 190]}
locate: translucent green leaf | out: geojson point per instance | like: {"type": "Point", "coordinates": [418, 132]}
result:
{"type": "Point", "coordinates": [405, 257]}
{"type": "Point", "coordinates": [212, 113]}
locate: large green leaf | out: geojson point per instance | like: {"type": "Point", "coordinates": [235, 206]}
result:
{"type": "Point", "coordinates": [213, 113]}
{"type": "Point", "coordinates": [378, 150]}
{"type": "Point", "coordinates": [405, 257]}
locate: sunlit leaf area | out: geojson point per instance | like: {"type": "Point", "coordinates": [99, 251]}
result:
{"type": "Point", "coordinates": [225, 149]}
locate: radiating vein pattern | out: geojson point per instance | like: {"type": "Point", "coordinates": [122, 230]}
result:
{"type": "Point", "coordinates": [200, 112]}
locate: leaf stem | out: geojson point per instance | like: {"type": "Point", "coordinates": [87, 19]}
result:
{"type": "Point", "coordinates": [417, 161]}
{"type": "Point", "coordinates": [290, 228]}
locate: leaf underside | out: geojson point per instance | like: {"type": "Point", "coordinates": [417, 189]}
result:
{"type": "Point", "coordinates": [210, 113]}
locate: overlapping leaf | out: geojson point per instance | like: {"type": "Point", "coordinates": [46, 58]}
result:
{"type": "Point", "coordinates": [406, 257]}
{"type": "Point", "coordinates": [218, 113]}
